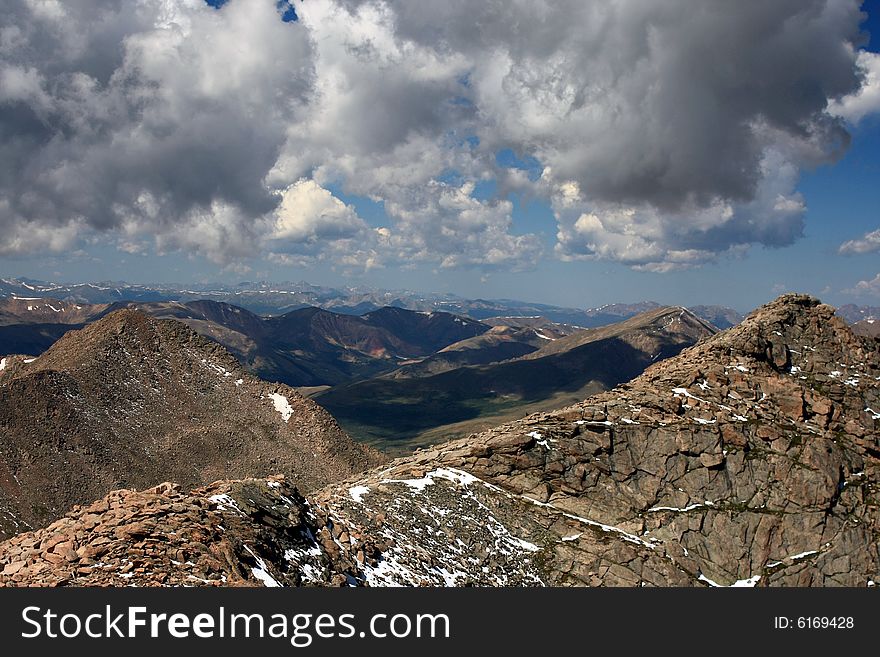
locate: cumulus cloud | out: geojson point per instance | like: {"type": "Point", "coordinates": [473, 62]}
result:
{"type": "Point", "coordinates": [309, 213]}
{"type": "Point", "coordinates": [867, 288]}
{"type": "Point", "coordinates": [446, 225]}
{"type": "Point", "coordinates": [163, 116]}
{"type": "Point", "coordinates": [869, 243]}
{"type": "Point", "coordinates": [668, 133]}
{"type": "Point", "coordinates": [866, 100]}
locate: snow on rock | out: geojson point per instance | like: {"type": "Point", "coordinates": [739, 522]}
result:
{"type": "Point", "coordinates": [357, 493]}
{"type": "Point", "coordinates": [428, 514]}
{"type": "Point", "coordinates": [751, 582]}
{"type": "Point", "coordinates": [689, 507]}
{"type": "Point", "coordinates": [261, 570]}
{"type": "Point", "coordinates": [282, 405]}
{"type": "Point", "coordinates": [539, 439]}
{"type": "Point", "coordinates": [2, 364]}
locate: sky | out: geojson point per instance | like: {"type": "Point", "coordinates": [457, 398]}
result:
{"type": "Point", "coordinates": [570, 152]}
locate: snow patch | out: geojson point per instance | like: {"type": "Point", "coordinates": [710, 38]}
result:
{"type": "Point", "coordinates": [357, 493]}
{"type": "Point", "coordinates": [751, 582]}
{"type": "Point", "coordinates": [803, 555]}
{"type": "Point", "coordinates": [540, 440]}
{"type": "Point", "coordinates": [689, 507]}
{"type": "Point", "coordinates": [282, 405]}
{"type": "Point", "coordinates": [261, 571]}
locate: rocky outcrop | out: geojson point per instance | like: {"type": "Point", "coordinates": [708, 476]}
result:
{"type": "Point", "coordinates": [131, 401]}
{"type": "Point", "coordinates": [751, 459]}
{"type": "Point", "coordinates": [225, 534]}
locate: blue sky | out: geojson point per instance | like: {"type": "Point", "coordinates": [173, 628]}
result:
{"type": "Point", "coordinates": [442, 179]}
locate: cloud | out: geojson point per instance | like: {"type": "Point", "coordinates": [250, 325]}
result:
{"type": "Point", "coordinates": [668, 134]}
{"type": "Point", "coordinates": [868, 243]}
{"type": "Point", "coordinates": [650, 239]}
{"type": "Point", "coordinates": [446, 225]}
{"type": "Point", "coordinates": [868, 288]}
{"type": "Point", "coordinates": [866, 100]}
{"type": "Point", "coordinates": [164, 116]}
{"type": "Point", "coordinates": [309, 213]}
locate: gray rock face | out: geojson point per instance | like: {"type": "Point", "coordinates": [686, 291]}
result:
{"type": "Point", "coordinates": [749, 459]}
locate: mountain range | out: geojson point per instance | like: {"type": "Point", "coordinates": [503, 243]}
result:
{"type": "Point", "coordinates": [400, 410]}
{"type": "Point", "coordinates": [278, 298]}
{"type": "Point", "coordinates": [750, 458]}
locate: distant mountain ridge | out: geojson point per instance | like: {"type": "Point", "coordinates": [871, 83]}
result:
{"type": "Point", "coordinates": [396, 409]}
{"type": "Point", "coordinates": [279, 298]}
{"type": "Point", "coordinates": [305, 347]}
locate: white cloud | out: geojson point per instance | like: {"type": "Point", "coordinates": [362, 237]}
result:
{"type": "Point", "coordinates": [308, 212]}
{"type": "Point", "coordinates": [866, 100]}
{"type": "Point", "coordinates": [445, 224]}
{"type": "Point", "coordinates": [868, 243]}
{"type": "Point", "coordinates": [867, 288]}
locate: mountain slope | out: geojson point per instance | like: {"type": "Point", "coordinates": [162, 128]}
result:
{"type": "Point", "coordinates": [397, 413]}
{"type": "Point", "coordinates": [867, 327]}
{"type": "Point", "coordinates": [132, 401]}
{"type": "Point", "coordinates": [509, 337]}
{"type": "Point", "coordinates": [750, 459]}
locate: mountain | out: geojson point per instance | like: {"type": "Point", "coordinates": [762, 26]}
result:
{"type": "Point", "coordinates": [265, 298]}
{"type": "Point", "coordinates": [131, 401]}
{"type": "Point", "coordinates": [313, 347]}
{"type": "Point", "coordinates": [30, 325]}
{"type": "Point", "coordinates": [852, 313]}
{"type": "Point", "coordinates": [305, 347]}
{"type": "Point", "coordinates": [720, 316]}
{"type": "Point", "coordinates": [867, 327]}
{"type": "Point", "coordinates": [399, 412]}
{"type": "Point", "coordinates": [509, 337]}
{"type": "Point", "coordinates": [749, 459]}
{"type": "Point", "coordinates": [83, 293]}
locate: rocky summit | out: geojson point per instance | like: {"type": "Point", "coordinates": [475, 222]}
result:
{"type": "Point", "coordinates": [750, 459]}
{"type": "Point", "coordinates": [131, 401]}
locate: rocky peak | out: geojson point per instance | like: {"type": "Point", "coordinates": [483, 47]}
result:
{"type": "Point", "coordinates": [131, 400]}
